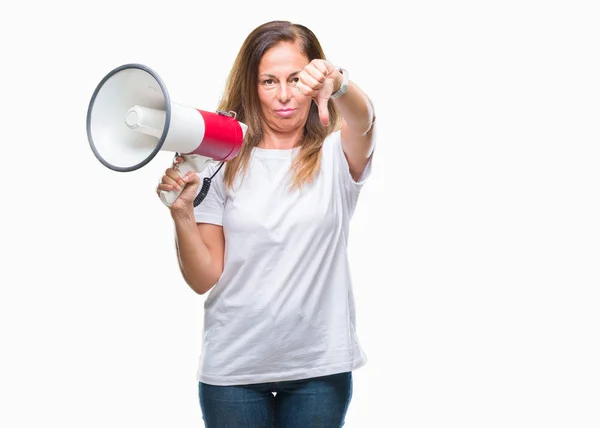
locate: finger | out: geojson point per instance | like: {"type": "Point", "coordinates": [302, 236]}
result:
{"type": "Point", "coordinates": [164, 187]}
{"type": "Point", "coordinates": [191, 177]}
{"type": "Point", "coordinates": [175, 181]}
{"type": "Point", "coordinates": [192, 184]}
{"type": "Point", "coordinates": [191, 180]}
{"type": "Point", "coordinates": [323, 66]}
{"type": "Point", "coordinates": [314, 79]}
{"type": "Point", "coordinates": [304, 90]}
{"type": "Point", "coordinates": [323, 111]}
{"type": "Point", "coordinates": [317, 72]}
{"type": "Point", "coordinates": [173, 175]}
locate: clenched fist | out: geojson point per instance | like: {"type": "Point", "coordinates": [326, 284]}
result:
{"type": "Point", "coordinates": [318, 80]}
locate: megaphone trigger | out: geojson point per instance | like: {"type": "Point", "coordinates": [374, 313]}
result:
{"type": "Point", "coordinates": [175, 163]}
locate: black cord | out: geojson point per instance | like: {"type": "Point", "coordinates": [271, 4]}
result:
{"type": "Point", "coordinates": [205, 186]}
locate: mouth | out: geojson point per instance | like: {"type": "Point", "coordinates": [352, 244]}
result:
{"type": "Point", "coordinates": [285, 112]}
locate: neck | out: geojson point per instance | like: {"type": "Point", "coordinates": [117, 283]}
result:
{"type": "Point", "coordinates": [280, 140]}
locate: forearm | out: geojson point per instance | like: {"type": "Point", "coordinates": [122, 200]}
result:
{"type": "Point", "coordinates": [195, 260]}
{"type": "Point", "coordinates": [355, 107]}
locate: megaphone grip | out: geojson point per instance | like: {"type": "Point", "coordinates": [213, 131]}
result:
{"type": "Point", "coordinates": [193, 163]}
{"type": "Point", "coordinates": [169, 196]}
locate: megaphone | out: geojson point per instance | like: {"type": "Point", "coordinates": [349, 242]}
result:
{"type": "Point", "coordinates": [131, 118]}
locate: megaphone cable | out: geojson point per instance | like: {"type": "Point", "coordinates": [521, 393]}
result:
{"type": "Point", "coordinates": [205, 187]}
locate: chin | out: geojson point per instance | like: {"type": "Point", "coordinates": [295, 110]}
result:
{"type": "Point", "coordinates": [285, 125]}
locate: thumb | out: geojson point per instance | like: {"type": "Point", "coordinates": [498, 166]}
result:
{"type": "Point", "coordinates": [192, 182]}
{"type": "Point", "coordinates": [322, 104]}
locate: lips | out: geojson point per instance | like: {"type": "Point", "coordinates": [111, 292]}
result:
{"type": "Point", "coordinates": [285, 112]}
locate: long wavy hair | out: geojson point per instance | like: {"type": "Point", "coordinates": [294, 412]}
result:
{"type": "Point", "coordinates": [241, 96]}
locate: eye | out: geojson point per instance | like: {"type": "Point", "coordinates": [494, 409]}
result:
{"type": "Point", "coordinates": [295, 80]}
{"type": "Point", "coordinates": [268, 82]}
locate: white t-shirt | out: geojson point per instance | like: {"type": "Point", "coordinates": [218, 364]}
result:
{"type": "Point", "coordinates": [283, 309]}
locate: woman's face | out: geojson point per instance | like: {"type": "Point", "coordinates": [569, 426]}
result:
{"type": "Point", "coordinates": [283, 107]}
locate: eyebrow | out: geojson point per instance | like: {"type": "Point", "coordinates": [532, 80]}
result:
{"type": "Point", "coordinates": [275, 77]}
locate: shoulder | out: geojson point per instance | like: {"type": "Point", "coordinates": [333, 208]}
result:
{"type": "Point", "coordinates": [212, 168]}
{"type": "Point", "coordinates": [215, 171]}
{"type": "Point", "coordinates": [335, 136]}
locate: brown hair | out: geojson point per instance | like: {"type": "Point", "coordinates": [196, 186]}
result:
{"type": "Point", "coordinates": [241, 96]}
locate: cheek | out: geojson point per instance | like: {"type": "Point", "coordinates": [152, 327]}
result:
{"type": "Point", "coordinates": [263, 98]}
{"type": "Point", "coordinates": [306, 109]}
{"type": "Point", "coordinates": [304, 103]}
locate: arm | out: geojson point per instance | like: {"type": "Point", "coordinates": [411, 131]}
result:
{"type": "Point", "coordinates": [319, 80]}
{"type": "Point", "coordinates": [200, 251]}
{"type": "Point", "coordinates": [200, 246]}
{"type": "Point", "coordinates": [358, 117]}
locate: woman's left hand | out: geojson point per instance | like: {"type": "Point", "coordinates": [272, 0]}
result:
{"type": "Point", "coordinates": [318, 80]}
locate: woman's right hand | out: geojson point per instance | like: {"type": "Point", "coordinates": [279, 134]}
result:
{"type": "Point", "coordinates": [190, 183]}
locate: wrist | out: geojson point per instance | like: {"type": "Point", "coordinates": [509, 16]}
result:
{"type": "Point", "coordinates": [341, 83]}
{"type": "Point", "coordinates": [183, 216]}
{"type": "Point", "coordinates": [338, 79]}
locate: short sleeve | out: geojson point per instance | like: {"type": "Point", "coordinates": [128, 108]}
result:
{"type": "Point", "coordinates": [210, 210]}
{"type": "Point", "coordinates": [344, 167]}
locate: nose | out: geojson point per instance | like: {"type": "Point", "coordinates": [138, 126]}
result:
{"type": "Point", "coordinates": [285, 93]}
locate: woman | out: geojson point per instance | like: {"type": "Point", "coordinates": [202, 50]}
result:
{"type": "Point", "coordinates": [269, 241]}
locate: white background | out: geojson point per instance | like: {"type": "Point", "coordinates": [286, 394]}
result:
{"type": "Point", "coordinates": [475, 246]}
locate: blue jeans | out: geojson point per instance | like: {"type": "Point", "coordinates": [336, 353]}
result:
{"type": "Point", "coordinates": [319, 402]}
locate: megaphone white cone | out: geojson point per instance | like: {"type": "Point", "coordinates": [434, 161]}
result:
{"type": "Point", "coordinates": [116, 145]}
